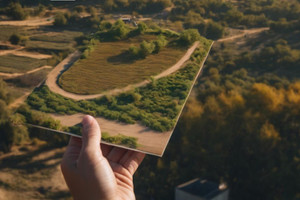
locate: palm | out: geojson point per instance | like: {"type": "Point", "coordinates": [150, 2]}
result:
{"type": "Point", "coordinates": [123, 163]}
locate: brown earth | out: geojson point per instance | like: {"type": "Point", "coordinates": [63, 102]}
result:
{"type": "Point", "coordinates": [32, 172]}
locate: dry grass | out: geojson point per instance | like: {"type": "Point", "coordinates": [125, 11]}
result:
{"type": "Point", "coordinates": [15, 64]}
{"type": "Point", "coordinates": [48, 46]}
{"type": "Point", "coordinates": [108, 67]}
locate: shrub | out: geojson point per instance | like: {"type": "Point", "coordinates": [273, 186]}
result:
{"type": "Point", "coordinates": [79, 8]}
{"type": "Point", "coordinates": [189, 36]}
{"type": "Point", "coordinates": [16, 11]}
{"type": "Point", "coordinates": [15, 39]}
{"type": "Point", "coordinates": [146, 48]}
{"type": "Point", "coordinates": [60, 20]}
{"type": "Point", "coordinates": [142, 27]}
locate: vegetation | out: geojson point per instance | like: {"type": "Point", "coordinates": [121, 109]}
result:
{"type": "Point", "coordinates": [156, 105]}
{"type": "Point", "coordinates": [147, 48]}
{"type": "Point", "coordinates": [11, 63]}
{"type": "Point", "coordinates": [240, 128]}
{"type": "Point", "coordinates": [102, 68]}
{"type": "Point", "coordinates": [189, 36]}
{"type": "Point", "coordinates": [15, 39]}
{"type": "Point", "coordinates": [16, 11]}
{"type": "Point", "coordinates": [44, 46]}
{"type": "Point", "coordinates": [9, 134]}
{"type": "Point", "coordinates": [120, 139]}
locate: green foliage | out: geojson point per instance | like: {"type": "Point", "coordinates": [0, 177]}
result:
{"type": "Point", "coordinates": [147, 48]}
{"type": "Point", "coordinates": [189, 36]}
{"type": "Point", "coordinates": [120, 139]}
{"type": "Point", "coordinates": [15, 39]}
{"type": "Point", "coordinates": [119, 30]}
{"type": "Point", "coordinates": [104, 26]}
{"type": "Point", "coordinates": [142, 27]}
{"type": "Point", "coordinates": [16, 11]}
{"type": "Point", "coordinates": [143, 6]}
{"type": "Point", "coordinates": [60, 20]}
{"type": "Point", "coordinates": [156, 105]}
{"type": "Point", "coordinates": [10, 134]}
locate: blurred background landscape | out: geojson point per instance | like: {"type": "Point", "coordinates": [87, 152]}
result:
{"type": "Point", "coordinates": [240, 126]}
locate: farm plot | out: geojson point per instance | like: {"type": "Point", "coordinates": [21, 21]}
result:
{"type": "Point", "coordinates": [18, 64]}
{"type": "Point", "coordinates": [108, 67]}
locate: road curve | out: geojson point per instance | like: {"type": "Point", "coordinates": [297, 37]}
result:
{"type": "Point", "coordinates": [53, 76]}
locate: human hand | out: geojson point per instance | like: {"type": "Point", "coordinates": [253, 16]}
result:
{"type": "Point", "coordinates": [102, 173]}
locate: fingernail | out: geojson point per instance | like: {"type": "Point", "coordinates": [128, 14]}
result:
{"type": "Point", "coordinates": [87, 120]}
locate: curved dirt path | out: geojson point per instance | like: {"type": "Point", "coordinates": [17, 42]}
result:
{"type": "Point", "coordinates": [31, 54]}
{"type": "Point", "coordinates": [29, 22]}
{"type": "Point", "coordinates": [150, 141]}
{"type": "Point", "coordinates": [53, 76]}
{"type": "Point", "coordinates": [14, 75]}
{"type": "Point", "coordinates": [248, 31]}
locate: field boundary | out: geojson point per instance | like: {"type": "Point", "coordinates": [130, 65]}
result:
{"type": "Point", "coordinates": [53, 76]}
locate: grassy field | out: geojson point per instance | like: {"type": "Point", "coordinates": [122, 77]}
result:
{"type": "Point", "coordinates": [108, 67]}
{"type": "Point", "coordinates": [18, 64]}
{"type": "Point", "coordinates": [6, 31]}
{"type": "Point", "coordinates": [49, 46]}
{"type": "Point", "coordinates": [58, 37]}
{"type": "Point", "coordinates": [156, 105]}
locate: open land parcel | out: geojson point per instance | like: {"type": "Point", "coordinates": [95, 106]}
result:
{"type": "Point", "coordinates": [143, 117]}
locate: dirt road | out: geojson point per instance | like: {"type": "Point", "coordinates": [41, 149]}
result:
{"type": "Point", "coordinates": [29, 22]}
{"type": "Point", "coordinates": [11, 51]}
{"type": "Point", "coordinates": [19, 101]}
{"type": "Point", "coordinates": [150, 141]}
{"type": "Point", "coordinates": [249, 31]}
{"type": "Point", "coordinates": [53, 76]}
{"type": "Point", "coordinates": [18, 52]}
{"type": "Point", "coordinates": [14, 75]}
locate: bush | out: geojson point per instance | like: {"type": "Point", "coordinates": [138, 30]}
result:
{"type": "Point", "coordinates": [79, 8]}
{"type": "Point", "coordinates": [16, 11]}
{"type": "Point", "coordinates": [15, 39]}
{"type": "Point", "coordinates": [142, 27]}
{"type": "Point", "coordinates": [189, 36]}
{"type": "Point", "coordinates": [120, 139]}
{"type": "Point", "coordinates": [60, 20]}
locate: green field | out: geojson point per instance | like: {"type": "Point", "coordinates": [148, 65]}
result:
{"type": "Point", "coordinates": [108, 67]}
{"type": "Point", "coordinates": [18, 64]}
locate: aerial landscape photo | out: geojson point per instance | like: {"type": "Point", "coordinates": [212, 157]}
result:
{"type": "Point", "coordinates": [207, 88]}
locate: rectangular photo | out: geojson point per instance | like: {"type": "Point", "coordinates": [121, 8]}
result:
{"type": "Point", "coordinates": [133, 78]}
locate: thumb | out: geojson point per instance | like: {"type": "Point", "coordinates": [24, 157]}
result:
{"type": "Point", "coordinates": [91, 134]}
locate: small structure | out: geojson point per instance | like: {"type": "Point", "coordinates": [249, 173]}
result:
{"type": "Point", "coordinates": [199, 189]}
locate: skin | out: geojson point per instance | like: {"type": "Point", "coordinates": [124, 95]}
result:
{"type": "Point", "coordinates": [98, 171]}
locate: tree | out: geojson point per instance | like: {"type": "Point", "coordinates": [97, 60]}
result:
{"type": "Point", "coordinates": [189, 36]}
{"type": "Point", "coordinates": [60, 20]}
{"type": "Point", "coordinates": [142, 27]}
{"type": "Point", "coordinates": [15, 39]}
{"type": "Point", "coordinates": [16, 11]}
{"type": "Point", "coordinates": [214, 30]}
{"type": "Point", "coordinates": [146, 48]}
{"type": "Point", "coordinates": [119, 30]}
